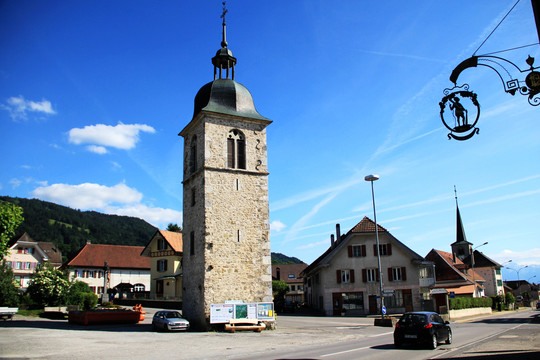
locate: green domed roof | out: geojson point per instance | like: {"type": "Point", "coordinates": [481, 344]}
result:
{"type": "Point", "coordinates": [226, 96]}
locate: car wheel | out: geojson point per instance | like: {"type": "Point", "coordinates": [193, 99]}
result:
{"type": "Point", "coordinates": [165, 328]}
{"type": "Point", "coordinates": [449, 340]}
{"type": "Point", "coordinates": [154, 327]}
{"type": "Point", "coordinates": [434, 343]}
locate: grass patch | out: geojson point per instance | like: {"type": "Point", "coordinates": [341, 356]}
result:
{"type": "Point", "coordinates": [33, 313]}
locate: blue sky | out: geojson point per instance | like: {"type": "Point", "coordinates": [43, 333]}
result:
{"type": "Point", "coordinates": [93, 95]}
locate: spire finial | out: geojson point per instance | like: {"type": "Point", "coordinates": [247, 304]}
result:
{"type": "Point", "coordinates": [224, 41]}
{"type": "Point", "coordinates": [455, 194]}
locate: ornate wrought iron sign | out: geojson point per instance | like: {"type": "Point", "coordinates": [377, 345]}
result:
{"type": "Point", "coordinates": [460, 111]}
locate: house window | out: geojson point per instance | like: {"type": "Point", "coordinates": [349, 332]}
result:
{"type": "Point", "coordinates": [395, 300]}
{"type": "Point", "coordinates": [192, 243]}
{"type": "Point", "coordinates": [426, 272]}
{"type": "Point", "coordinates": [498, 271]}
{"type": "Point", "coordinates": [385, 249]}
{"type": "Point", "coordinates": [345, 276]}
{"type": "Point", "coordinates": [397, 274]}
{"type": "Point", "coordinates": [27, 266]}
{"type": "Point", "coordinates": [293, 288]}
{"type": "Point", "coordinates": [193, 155]}
{"type": "Point", "coordinates": [139, 288]}
{"type": "Point", "coordinates": [162, 244]}
{"type": "Point", "coordinates": [358, 250]}
{"type": "Point", "coordinates": [499, 283]}
{"type": "Point", "coordinates": [18, 265]}
{"type": "Point", "coordinates": [162, 265]}
{"type": "Point", "coordinates": [236, 150]}
{"type": "Point", "coordinates": [93, 288]}
{"type": "Point", "coordinates": [291, 276]}
{"type": "Point", "coordinates": [371, 275]}
{"type": "Point", "coordinates": [353, 301]}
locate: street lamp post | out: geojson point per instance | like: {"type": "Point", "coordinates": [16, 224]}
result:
{"type": "Point", "coordinates": [517, 271]}
{"type": "Point", "coordinates": [371, 179]}
{"type": "Point", "coordinates": [472, 264]}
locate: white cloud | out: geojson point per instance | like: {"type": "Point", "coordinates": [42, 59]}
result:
{"type": "Point", "coordinates": [87, 195]}
{"type": "Point", "coordinates": [97, 149]}
{"type": "Point", "coordinates": [15, 183]}
{"type": "Point", "coordinates": [277, 225]}
{"type": "Point", "coordinates": [121, 136]}
{"type": "Point", "coordinates": [519, 258]}
{"type": "Point", "coordinates": [119, 199]}
{"type": "Point", "coordinates": [18, 107]}
{"type": "Point", "coordinates": [156, 216]}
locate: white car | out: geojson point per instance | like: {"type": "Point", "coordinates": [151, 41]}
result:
{"type": "Point", "coordinates": [169, 320]}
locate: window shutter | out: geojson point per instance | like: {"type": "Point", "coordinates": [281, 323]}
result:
{"type": "Point", "coordinates": [164, 265]}
{"type": "Point", "coordinates": [364, 275]}
{"type": "Point", "coordinates": [375, 250]}
{"type": "Point", "coordinates": [349, 249]}
{"type": "Point", "coordinates": [403, 273]}
{"type": "Point", "coordinates": [230, 153]}
{"type": "Point", "coordinates": [352, 275]}
{"type": "Point", "coordinates": [390, 278]}
{"type": "Point", "coordinates": [389, 249]}
{"type": "Point", "coordinates": [364, 250]}
{"type": "Point", "coordinates": [338, 276]}
{"type": "Point", "coordinates": [377, 272]}
{"type": "Point", "coordinates": [241, 147]}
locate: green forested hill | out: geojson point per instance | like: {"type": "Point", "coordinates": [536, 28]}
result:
{"type": "Point", "coordinates": [70, 229]}
{"type": "Point", "coordinates": [279, 258]}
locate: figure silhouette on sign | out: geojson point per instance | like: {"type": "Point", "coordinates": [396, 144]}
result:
{"type": "Point", "coordinates": [459, 111]}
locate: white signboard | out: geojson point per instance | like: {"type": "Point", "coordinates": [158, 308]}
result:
{"type": "Point", "coordinates": [223, 313]}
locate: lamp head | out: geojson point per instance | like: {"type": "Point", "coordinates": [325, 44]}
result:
{"type": "Point", "coordinates": [372, 177]}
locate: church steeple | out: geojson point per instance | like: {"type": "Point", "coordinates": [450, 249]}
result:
{"type": "Point", "coordinates": [461, 248]}
{"type": "Point", "coordinates": [224, 59]}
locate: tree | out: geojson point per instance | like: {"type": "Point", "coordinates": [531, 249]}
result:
{"type": "Point", "coordinates": [49, 286]}
{"type": "Point", "coordinates": [8, 291]}
{"type": "Point", "coordinates": [174, 228]}
{"type": "Point", "coordinates": [279, 289]}
{"type": "Point", "coordinates": [10, 218]}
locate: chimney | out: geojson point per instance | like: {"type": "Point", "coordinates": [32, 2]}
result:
{"type": "Point", "coordinates": [332, 240]}
{"type": "Point", "coordinates": [88, 242]}
{"type": "Point", "coordinates": [338, 233]}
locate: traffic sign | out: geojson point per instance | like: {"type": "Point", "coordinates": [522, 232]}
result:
{"type": "Point", "coordinates": [384, 310]}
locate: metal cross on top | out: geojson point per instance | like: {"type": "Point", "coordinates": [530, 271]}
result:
{"type": "Point", "coordinates": [224, 12]}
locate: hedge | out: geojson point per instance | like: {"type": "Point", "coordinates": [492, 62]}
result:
{"type": "Point", "coordinates": [459, 303]}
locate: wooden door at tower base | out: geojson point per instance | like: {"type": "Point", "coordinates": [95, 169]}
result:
{"type": "Point", "coordinates": [337, 304]}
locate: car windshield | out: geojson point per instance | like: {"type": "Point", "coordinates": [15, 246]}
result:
{"type": "Point", "coordinates": [172, 315]}
{"type": "Point", "coordinates": [413, 319]}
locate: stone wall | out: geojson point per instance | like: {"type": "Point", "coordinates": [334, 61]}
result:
{"type": "Point", "coordinates": [229, 218]}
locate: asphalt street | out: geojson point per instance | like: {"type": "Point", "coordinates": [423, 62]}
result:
{"type": "Point", "coordinates": [502, 336]}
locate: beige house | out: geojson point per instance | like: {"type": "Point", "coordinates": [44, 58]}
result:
{"type": "Point", "coordinates": [25, 255]}
{"type": "Point", "coordinates": [344, 280]}
{"type": "Point", "coordinates": [165, 253]}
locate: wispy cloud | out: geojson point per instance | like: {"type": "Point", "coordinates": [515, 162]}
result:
{"type": "Point", "coordinates": [121, 136]}
{"type": "Point", "coordinates": [18, 107]}
{"type": "Point", "coordinates": [519, 258]}
{"type": "Point", "coordinates": [277, 226]}
{"type": "Point", "coordinates": [406, 56]}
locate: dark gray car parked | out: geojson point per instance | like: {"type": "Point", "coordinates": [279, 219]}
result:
{"type": "Point", "coordinates": [422, 327]}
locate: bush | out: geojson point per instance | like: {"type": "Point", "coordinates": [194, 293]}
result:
{"type": "Point", "coordinates": [469, 302]}
{"type": "Point", "coordinates": [80, 294]}
{"type": "Point", "coordinates": [90, 301]}
{"type": "Point", "coordinates": [49, 286]}
{"type": "Point", "coordinates": [509, 297]}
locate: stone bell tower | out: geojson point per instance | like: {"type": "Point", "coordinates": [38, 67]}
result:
{"type": "Point", "coordinates": [225, 197]}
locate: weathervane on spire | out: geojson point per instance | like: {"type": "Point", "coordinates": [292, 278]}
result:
{"type": "Point", "coordinates": [224, 41]}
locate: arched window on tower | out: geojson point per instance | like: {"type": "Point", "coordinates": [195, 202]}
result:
{"type": "Point", "coordinates": [236, 150]}
{"type": "Point", "coordinates": [193, 155]}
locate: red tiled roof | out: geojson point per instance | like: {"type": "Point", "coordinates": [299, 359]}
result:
{"type": "Point", "coordinates": [173, 238]}
{"type": "Point", "coordinates": [449, 258]}
{"type": "Point", "coordinates": [366, 225]}
{"type": "Point", "coordinates": [117, 256]}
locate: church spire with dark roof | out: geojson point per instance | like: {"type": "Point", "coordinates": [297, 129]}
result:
{"type": "Point", "coordinates": [224, 59]}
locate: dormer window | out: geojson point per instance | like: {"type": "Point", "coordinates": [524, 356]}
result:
{"type": "Point", "coordinates": [236, 150]}
{"type": "Point", "coordinates": [162, 244]}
